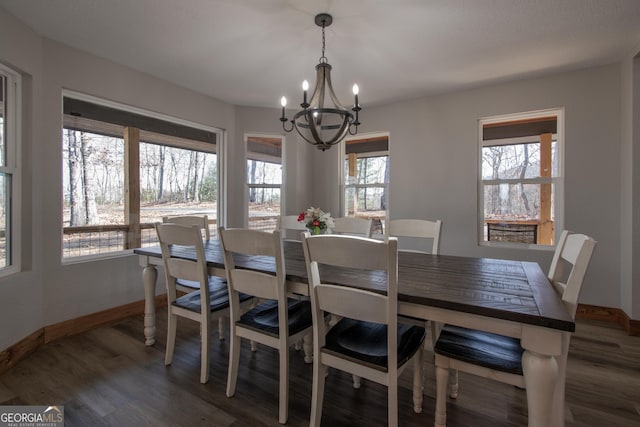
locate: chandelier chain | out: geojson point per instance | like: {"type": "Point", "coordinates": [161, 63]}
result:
{"type": "Point", "coordinates": [323, 58]}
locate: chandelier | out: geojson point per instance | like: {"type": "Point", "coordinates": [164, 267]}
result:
{"type": "Point", "coordinates": [320, 123]}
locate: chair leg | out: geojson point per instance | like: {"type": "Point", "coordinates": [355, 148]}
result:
{"type": "Point", "coordinates": [221, 321]}
{"type": "Point", "coordinates": [392, 399]}
{"type": "Point", "coordinates": [171, 338]}
{"type": "Point", "coordinates": [356, 382]}
{"type": "Point", "coordinates": [283, 409]}
{"type": "Point", "coordinates": [418, 381]}
{"type": "Point", "coordinates": [307, 347]}
{"type": "Point", "coordinates": [234, 361]}
{"type": "Point", "coordinates": [317, 391]}
{"type": "Point", "coordinates": [442, 377]}
{"type": "Point", "coordinates": [453, 383]}
{"type": "Point", "coordinates": [205, 352]}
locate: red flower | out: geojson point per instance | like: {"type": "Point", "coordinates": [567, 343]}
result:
{"type": "Point", "coordinates": [301, 217]}
{"type": "Point", "coordinates": [316, 223]}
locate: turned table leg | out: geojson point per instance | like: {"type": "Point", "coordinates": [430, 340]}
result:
{"type": "Point", "coordinates": [149, 276]}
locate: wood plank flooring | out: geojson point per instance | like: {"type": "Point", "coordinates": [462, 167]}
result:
{"type": "Point", "coordinates": [107, 377]}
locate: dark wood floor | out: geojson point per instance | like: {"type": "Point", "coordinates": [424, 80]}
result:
{"type": "Point", "coordinates": [108, 377]}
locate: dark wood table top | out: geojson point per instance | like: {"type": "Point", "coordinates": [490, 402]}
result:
{"type": "Point", "coordinates": [516, 291]}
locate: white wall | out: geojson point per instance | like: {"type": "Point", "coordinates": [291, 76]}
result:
{"type": "Point", "coordinates": [434, 163]}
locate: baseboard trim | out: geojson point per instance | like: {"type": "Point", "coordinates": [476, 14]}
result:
{"type": "Point", "coordinates": [29, 344]}
{"type": "Point", "coordinates": [607, 314]}
{"type": "Point", "coordinates": [20, 350]}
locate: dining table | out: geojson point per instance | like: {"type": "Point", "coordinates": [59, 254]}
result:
{"type": "Point", "coordinates": [507, 297]}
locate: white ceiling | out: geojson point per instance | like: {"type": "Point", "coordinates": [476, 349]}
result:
{"type": "Point", "coordinates": [251, 52]}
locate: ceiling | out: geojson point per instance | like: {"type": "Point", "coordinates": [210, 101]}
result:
{"type": "Point", "coordinates": [251, 52]}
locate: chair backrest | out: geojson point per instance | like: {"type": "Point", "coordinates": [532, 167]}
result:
{"type": "Point", "coordinates": [244, 241]}
{"type": "Point", "coordinates": [415, 228]}
{"type": "Point", "coordinates": [170, 234]}
{"type": "Point", "coordinates": [352, 226]}
{"type": "Point", "coordinates": [359, 253]}
{"type": "Point", "coordinates": [574, 251]}
{"type": "Point", "coordinates": [290, 227]}
{"type": "Point", "coordinates": [202, 221]}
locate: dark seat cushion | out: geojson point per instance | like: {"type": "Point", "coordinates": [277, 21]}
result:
{"type": "Point", "coordinates": [367, 342]}
{"type": "Point", "coordinates": [264, 317]}
{"type": "Point", "coordinates": [481, 348]}
{"type": "Point", "coordinates": [218, 296]}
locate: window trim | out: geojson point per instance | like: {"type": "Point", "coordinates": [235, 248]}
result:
{"type": "Point", "coordinates": [221, 141]}
{"type": "Point", "coordinates": [558, 181]}
{"type": "Point", "coordinates": [13, 141]}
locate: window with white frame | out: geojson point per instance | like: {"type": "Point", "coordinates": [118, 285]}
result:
{"type": "Point", "coordinates": [123, 171]}
{"type": "Point", "coordinates": [264, 181]}
{"type": "Point", "coordinates": [10, 122]}
{"type": "Point", "coordinates": [366, 179]}
{"type": "Point", "coordinates": [520, 178]}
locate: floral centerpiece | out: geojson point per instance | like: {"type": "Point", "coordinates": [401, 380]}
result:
{"type": "Point", "coordinates": [316, 220]}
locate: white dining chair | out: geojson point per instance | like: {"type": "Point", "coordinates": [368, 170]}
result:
{"type": "Point", "coordinates": [423, 232]}
{"type": "Point", "coordinates": [499, 357]}
{"type": "Point", "coordinates": [290, 228]}
{"type": "Point", "coordinates": [279, 321]}
{"type": "Point", "coordinates": [352, 226]}
{"type": "Point", "coordinates": [418, 236]}
{"type": "Point", "coordinates": [367, 341]}
{"type": "Point", "coordinates": [202, 222]}
{"type": "Point", "coordinates": [210, 301]}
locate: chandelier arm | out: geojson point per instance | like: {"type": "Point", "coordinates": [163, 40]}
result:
{"type": "Point", "coordinates": [284, 122]}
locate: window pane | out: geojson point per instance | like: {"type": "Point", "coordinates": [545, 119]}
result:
{"type": "Point", "coordinates": [93, 179]}
{"type": "Point", "coordinates": [370, 170]}
{"type": "Point", "coordinates": [513, 211]}
{"type": "Point", "coordinates": [176, 181]}
{"type": "Point", "coordinates": [5, 210]}
{"type": "Point", "coordinates": [264, 207]}
{"type": "Point", "coordinates": [259, 172]}
{"type": "Point", "coordinates": [517, 161]}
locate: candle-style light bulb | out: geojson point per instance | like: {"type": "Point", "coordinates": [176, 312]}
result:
{"type": "Point", "coordinates": [283, 102]}
{"type": "Point", "coordinates": [356, 89]}
{"type": "Point", "coordinates": [305, 85]}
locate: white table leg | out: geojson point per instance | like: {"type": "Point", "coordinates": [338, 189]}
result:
{"type": "Point", "coordinates": [149, 276]}
{"type": "Point", "coordinates": [557, 412]}
{"type": "Point", "coordinates": [540, 374]}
